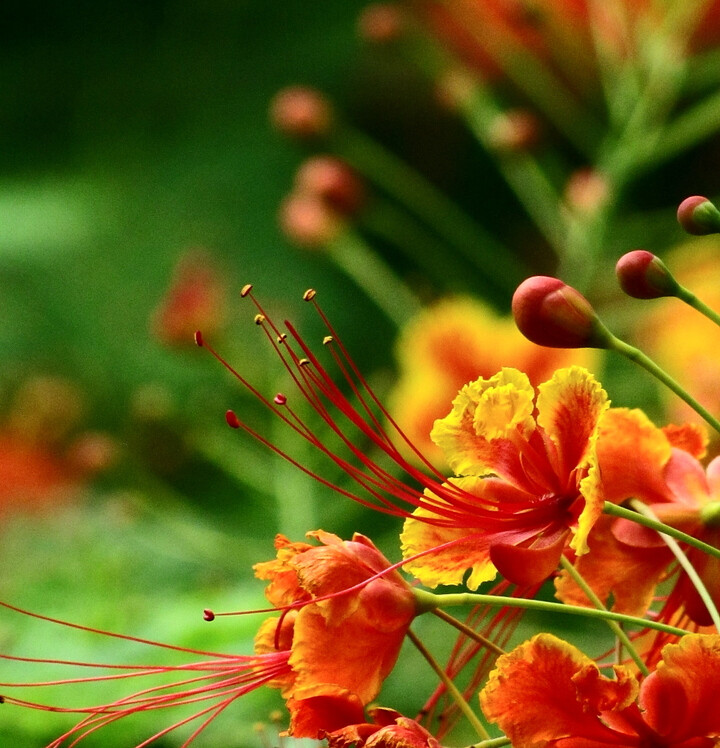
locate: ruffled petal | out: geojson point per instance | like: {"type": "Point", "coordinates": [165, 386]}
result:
{"type": "Point", "coordinates": [569, 408]}
{"type": "Point", "coordinates": [487, 415]}
{"type": "Point", "coordinates": [534, 699]}
{"type": "Point", "coordinates": [680, 698]}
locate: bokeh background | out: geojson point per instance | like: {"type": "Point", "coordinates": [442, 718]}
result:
{"type": "Point", "coordinates": [133, 136]}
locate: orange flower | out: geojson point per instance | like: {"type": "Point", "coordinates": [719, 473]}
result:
{"type": "Point", "coordinates": [547, 693]}
{"type": "Point", "coordinates": [196, 298]}
{"type": "Point", "coordinates": [342, 646]}
{"type": "Point", "coordinates": [628, 560]}
{"type": "Point", "coordinates": [389, 729]}
{"type": "Point", "coordinates": [453, 343]}
{"type": "Point", "coordinates": [528, 481]}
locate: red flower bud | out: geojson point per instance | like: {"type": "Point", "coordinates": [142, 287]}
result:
{"type": "Point", "coordinates": [308, 222]}
{"type": "Point", "coordinates": [302, 113]}
{"type": "Point", "coordinates": [551, 313]}
{"type": "Point", "coordinates": [333, 181]}
{"type": "Point", "coordinates": [697, 215]}
{"type": "Point", "coordinates": [643, 275]}
{"type": "Point", "coordinates": [381, 23]}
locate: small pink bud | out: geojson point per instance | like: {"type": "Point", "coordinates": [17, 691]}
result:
{"type": "Point", "coordinates": [587, 191]}
{"type": "Point", "coordinates": [333, 181]}
{"type": "Point", "coordinates": [308, 221]}
{"type": "Point", "coordinates": [698, 216]}
{"type": "Point", "coordinates": [551, 313]}
{"type": "Point", "coordinates": [302, 113]}
{"type": "Point", "coordinates": [381, 23]}
{"type": "Point", "coordinates": [642, 275]}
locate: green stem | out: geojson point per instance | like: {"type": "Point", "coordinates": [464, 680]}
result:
{"type": "Point", "coordinates": [429, 600]}
{"type": "Point", "coordinates": [683, 560]}
{"type": "Point", "coordinates": [615, 627]}
{"type": "Point", "coordinates": [469, 632]}
{"type": "Point", "coordinates": [654, 524]}
{"type": "Point", "coordinates": [369, 271]}
{"type": "Point", "coordinates": [699, 306]}
{"type": "Point", "coordinates": [430, 205]}
{"type": "Point", "coordinates": [492, 743]}
{"type": "Point", "coordinates": [635, 354]}
{"type": "Point", "coordinates": [453, 690]}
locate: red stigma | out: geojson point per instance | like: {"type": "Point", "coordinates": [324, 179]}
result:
{"type": "Point", "coordinates": [232, 420]}
{"type": "Point", "coordinates": [208, 615]}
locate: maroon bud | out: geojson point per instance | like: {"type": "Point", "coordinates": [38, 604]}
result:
{"type": "Point", "coordinates": [551, 313]}
{"type": "Point", "coordinates": [642, 275]}
{"type": "Point", "coordinates": [208, 615]}
{"type": "Point", "coordinates": [301, 112]}
{"type": "Point", "coordinates": [698, 216]}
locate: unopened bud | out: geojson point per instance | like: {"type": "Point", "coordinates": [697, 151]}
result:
{"type": "Point", "coordinates": [697, 215]}
{"type": "Point", "coordinates": [586, 191]}
{"type": "Point", "coordinates": [514, 131]}
{"type": "Point", "coordinates": [549, 312]}
{"type": "Point", "coordinates": [308, 222]}
{"type": "Point", "coordinates": [643, 275]}
{"type": "Point", "coordinates": [333, 181]}
{"type": "Point", "coordinates": [301, 112]}
{"type": "Point", "coordinates": [381, 23]}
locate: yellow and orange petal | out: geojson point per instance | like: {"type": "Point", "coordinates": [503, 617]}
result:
{"type": "Point", "coordinates": [543, 689]}
{"type": "Point", "coordinates": [569, 408]}
{"type": "Point", "coordinates": [284, 588]}
{"type": "Point", "coordinates": [478, 435]}
{"type": "Point", "coordinates": [469, 551]}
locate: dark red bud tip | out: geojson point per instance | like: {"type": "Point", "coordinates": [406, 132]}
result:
{"type": "Point", "coordinates": [280, 399]}
{"type": "Point", "coordinates": [698, 216]}
{"type": "Point", "coordinates": [198, 339]}
{"type": "Point", "coordinates": [208, 615]}
{"type": "Point", "coordinates": [551, 313]}
{"type": "Point", "coordinates": [642, 275]}
{"type": "Point", "coordinates": [232, 420]}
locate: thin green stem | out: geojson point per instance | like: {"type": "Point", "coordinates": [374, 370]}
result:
{"type": "Point", "coordinates": [492, 743]}
{"type": "Point", "coordinates": [469, 632]}
{"type": "Point", "coordinates": [655, 524]}
{"type": "Point", "coordinates": [683, 560]}
{"type": "Point", "coordinates": [699, 306]}
{"type": "Point", "coordinates": [370, 272]}
{"type": "Point", "coordinates": [636, 355]}
{"type": "Point", "coordinates": [615, 627]}
{"type": "Point", "coordinates": [429, 600]}
{"type": "Point", "coordinates": [453, 690]}
{"type": "Point", "coordinates": [431, 206]}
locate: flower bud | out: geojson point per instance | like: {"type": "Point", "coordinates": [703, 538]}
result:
{"type": "Point", "coordinates": [697, 215]}
{"type": "Point", "coordinates": [514, 131]}
{"type": "Point", "coordinates": [549, 312]}
{"type": "Point", "coordinates": [381, 23]}
{"type": "Point", "coordinates": [642, 275]}
{"type": "Point", "coordinates": [308, 222]}
{"type": "Point", "coordinates": [587, 191]}
{"type": "Point", "coordinates": [333, 181]}
{"type": "Point", "coordinates": [301, 112]}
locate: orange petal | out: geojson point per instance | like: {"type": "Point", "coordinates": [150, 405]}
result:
{"type": "Point", "coordinates": [527, 566]}
{"type": "Point", "coordinates": [626, 432]}
{"type": "Point", "coordinates": [569, 407]}
{"type": "Point", "coordinates": [690, 437]}
{"type": "Point", "coordinates": [533, 698]}
{"type": "Point", "coordinates": [680, 698]}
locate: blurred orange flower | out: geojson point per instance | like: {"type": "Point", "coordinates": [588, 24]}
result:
{"type": "Point", "coordinates": [548, 693]}
{"type": "Point", "coordinates": [389, 729]}
{"type": "Point", "coordinates": [453, 343]}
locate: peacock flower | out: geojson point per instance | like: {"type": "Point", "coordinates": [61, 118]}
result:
{"type": "Point", "coordinates": [628, 561]}
{"type": "Point", "coordinates": [447, 346]}
{"type": "Point", "coordinates": [527, 480]}
{"type": "Point", "coordinates": [342, 644]}
{"type": "Point", "coordinates": [389, 729]}
{"type": "Point", "coordinates": [548, 693]}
